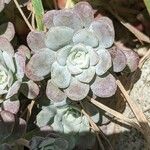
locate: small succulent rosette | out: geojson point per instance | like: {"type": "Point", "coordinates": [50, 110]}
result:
{"type": "Point", "coordinates": [12, 68]}
{"type": "Point", "coordinates": [69, 121]}
{"type": "Point", "coordinates": [54, 141]}
{"type": "Point", "coordinates": [74, 53]}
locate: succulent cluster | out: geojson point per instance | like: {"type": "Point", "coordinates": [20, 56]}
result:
{"type": "Point", "coordinates": [75, 55]}
{"type": "Point", "coordinates": [74, 51]}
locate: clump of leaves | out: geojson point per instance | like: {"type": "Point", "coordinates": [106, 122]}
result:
{"type": "Point", "coordinates": [12, 68]}
{"type": "Point", "coordinates": [74, 50]}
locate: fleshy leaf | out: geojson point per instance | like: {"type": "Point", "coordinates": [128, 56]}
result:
{"type": "Point", "coordinates": [86, 37]}
{"type": "Point", "coordinates": [87, 75]}
{"type": "Point", "coordinates": [20, 64]}
{"type": "Point", "coordinates": [24, 51]}
{"type": "Point", "coordinates": [13, 90]}
{"type": "Point", "coordinates": [69, 19]}
{"type": "Point", "coordinates": [9, 61]}
{"type": "Point", "coordinates": [40, 65]}
{"type": "Point", "coordinates": [104, 86]}
{"type": "Point", "coordinates": [104, 61]}
{"type": "Point", "coordinates": [48, 18]}
{"type": "Point", "coordinates": [104, 30]}
{"type": "Point", "coordinates": [1, 5]}
{"type": "Point", "coordinates": [132, 59]}
{"type": "Point", "coordinates": [35, 41]}
{"type": "Point", "coordinates": [62, 55]}
{"type": "Point", "coordinates": [85, 11]}
{"type": "Point", "coordinates": [118, 58]}
{"type": "Point", "coordinates": [60, 75]}
{"type": "Point", "coordinates": [57, 37]}
{"type": "Point", "coordinates": [6, 46]}
{"type": "Point", "coordinates": [30, 89]}
{"type": "Point", "coordinates": [7, 122]}
{"type": "Point", "coordinates": [7, 31]}
{"type": "Point", "coordinates": [73, 69]}
{"type": "Point", "coordinates": [54, 93]}
{"type": "Point", "coordinates": [45, 116]}
{"type": "Point", "coordinates": [94, 57]}
{"type": "Point", "coordinates": [77, 90]}
{"type": "Point", "coordinates": [11, 106]}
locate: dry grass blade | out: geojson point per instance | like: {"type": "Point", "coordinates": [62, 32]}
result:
{"type": "Point", "coordinates": [30, 106]}
{"type": "Point", "coordinates": [121, 117]}
{"type": "Point", "coordinates": [23, 15]}
{"type": "Point", "coordinates": [137, 112]}
{"type": "Point", "coordinates": [96, 128]}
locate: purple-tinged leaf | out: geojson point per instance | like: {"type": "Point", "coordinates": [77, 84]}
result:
{"type": "Point", "coordinates": [20, 64]}
{"type": "Point", "coordinates": [7, 31]}
{"type": "Point", "coordinates": [40, 65]}
{"type": "Point", "coordinates": [104, 30]}
{"type": "Point", "coordinates": [68, 18]}
{"type": "Point", "coordinates": [11, 106]}
{"type": "Point", "coordinates": [1, 5]}
{"type": "Point", "coordinates": [6, 46]}
{"type": "Point", "coordinates": [77, 90]}
{"type": "Point", "coordinates": [35, 41]}
{"type": "Point", "coordinates": [104, 86]}
{"type": "Point", "coordinates": [24, 51]}
{"type": "Point", "coordinates": [85, 11]}
{"type": "Point", "coordinates": [118, 58]}
{"type": "Point", "coordinates": [104, 61]}
{"type": "Point", "coordinates": [54, 93]}
{"type": "Point", "coordinates": [13, 90]}
{"type": "Point", "coordinates": [48, 18]}
{"type": "Point", "coordinates": [132, 59]}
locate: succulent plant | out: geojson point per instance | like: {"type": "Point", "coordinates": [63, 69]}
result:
{"type": "Point", "coordinates": [65, 119]}
{"type": "Point", "coordinates": [68, 121]}
{"type": "Point", "coordinates": [74, 52]}
{"type": "Point", "coordinates": [12, 127]}
{"type": "Point", "coordinates": [12, 67]}
{"type": "Point", "coordinates": [53, 141]}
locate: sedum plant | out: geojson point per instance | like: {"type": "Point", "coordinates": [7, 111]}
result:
{"type": "Point", "coordinates": [12, 68]}
{"type": "Point", "coordinates": [75, 52]}
{"type": "Point", "coordinates": [68, 121]}
{"type": "Point", "coordinates": [53, 141]}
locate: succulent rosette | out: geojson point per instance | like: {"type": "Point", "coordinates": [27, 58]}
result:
{"type": "Point", "coordinates": [12, 68]}
{"type": "Point", "coordinates": [69, 121]}
{"type": "Point", "coordinates": [74, 51]}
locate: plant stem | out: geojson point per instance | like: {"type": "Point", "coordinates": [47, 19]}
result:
{"type": "Point", "coordinates": [39, 12]}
